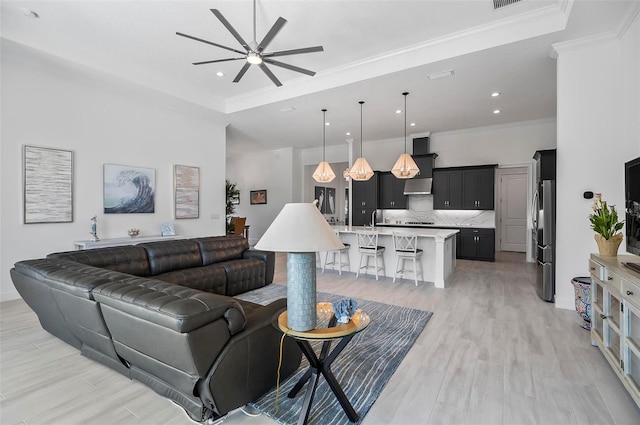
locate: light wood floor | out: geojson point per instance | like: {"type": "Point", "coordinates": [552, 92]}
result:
{"type": "Point", "coordinates": [493, 353]}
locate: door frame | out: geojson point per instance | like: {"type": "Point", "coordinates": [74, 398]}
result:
{"type": "Point", "coordinates": [522, 169]}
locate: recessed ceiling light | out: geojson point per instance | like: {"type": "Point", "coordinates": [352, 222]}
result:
{"type": "Point", "coordinates": [441, 74]}
{"type": "Point", "coordinates": [497, 111]}
{"type": "Point", "coordinates": [220, 74]}
{"type": "Point", "coordinates": [495, 94]}
{"type": "Point", "coordinates": [348, 133]}
{"type": "Point", "coordinates": [30, 13]}
{"type": "Point", "coordinates": [288, 109]}
{"type": "Point", "coordinates": [412, 124]}
{"type": "Point", "coordinates": [398, 111]}
{"type": "Point", "coordinates": [327, 123]}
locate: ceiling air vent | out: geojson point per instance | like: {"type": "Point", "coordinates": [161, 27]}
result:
{"type": "Point", "coordinates": [497, 4]}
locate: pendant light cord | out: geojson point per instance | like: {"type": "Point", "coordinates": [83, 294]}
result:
{"type": "Point", "coordinates": [361, 103]}
{"type": "Point", "coordinates": [324, 125]}
{"type": "Point", "coordinates": [405, 121]}
{"type": "Point", "coordinates": [254, 21]}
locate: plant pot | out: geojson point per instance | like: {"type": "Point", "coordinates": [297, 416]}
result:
{"type": "Point", "coordinates": [608, 247]}
{"type": "Point", "coordinates": [582, 288]}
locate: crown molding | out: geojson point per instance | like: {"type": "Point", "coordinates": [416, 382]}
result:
{"type": "Point", "coordinates": [634, 11]}
{"type": "Point", "coordinates": [526, 25]}
{"type": "Point", "coordinates": [583, 41]}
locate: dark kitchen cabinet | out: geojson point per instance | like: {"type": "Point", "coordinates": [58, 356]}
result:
{"type": "Point", "coordinates": [478, 188]}
{"type": "Point", "coordinates": [464, 188]}
{"type": "Point", "coordinates": [425, 163]}
{"type": "Point", "coordinates": [447, 189]}
{"type": "Point", "coordinates": [476, 244]}
{"type": "Point", "coordinates": [391, 192]}
{"type": "Point", "coordinates": [365, 200]}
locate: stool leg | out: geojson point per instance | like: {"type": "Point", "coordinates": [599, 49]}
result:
{"type": "Point", "coordinates": [375, 264]}
{"type": "Point", "coordinates": [326, 258]}
{"type": "Point", "coordinates": [395, 273]}
{"type": "Point", "coordinates": [415, 271]}
{"type": "Point", "coordinates": [348, 261]}
{"type": "Point", "coordinates": [339, 262]}
{"type": "Point", "coordinates": [359, 265]}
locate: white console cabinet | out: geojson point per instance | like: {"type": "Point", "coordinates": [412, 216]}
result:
{"type": "Point", "coordinates": [103, 243]}
{"type": "Point", "coordinates": [615, 316]}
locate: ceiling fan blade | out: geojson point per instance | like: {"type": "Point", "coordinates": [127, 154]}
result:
{"type": "Point", "coordinates": [290, 67]}
{"type": "Point", "coordinates": [231, 29]}
{"type": "Point", "coordinates": [294, 51]}
{"type": "Point", "coordinates": [217, 60]}
{"type": "Point", "coordinates": [210, 42]}
{"type": "Point", "coordinates": [242, 72]}
{"type": "Point", "coordinates": [272, 33]}
{"type": "Point", "coordinates": [267, 71]}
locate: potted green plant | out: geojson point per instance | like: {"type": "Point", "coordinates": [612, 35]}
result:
{"type": "Point", "coordinates": [233, 193]}
{"type": "Point", "coordinates": [604, 221]}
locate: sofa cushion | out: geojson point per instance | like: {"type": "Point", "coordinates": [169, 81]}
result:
{"type": "Point", "coordinates": [244, 275]}
{"type": "Point", "coordinates": [216, 249]}
{"type": "Point", "coordinates": [125, 259]}
{"type": "Point", "coordinates": [212, 278]}
{"type": "Point", "coordinates": [166, 256]}
{"type": "Point", "coordinates": [172, 306]}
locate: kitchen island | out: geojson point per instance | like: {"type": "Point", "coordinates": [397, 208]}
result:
{"type": "Point", "coordinates": [438, 245]}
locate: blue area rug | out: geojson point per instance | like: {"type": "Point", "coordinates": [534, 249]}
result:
{"type": "Point", "coordinates": [363, 368]}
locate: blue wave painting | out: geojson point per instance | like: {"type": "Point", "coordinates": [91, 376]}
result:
{"type": "Point", "coordinates": [128, 189]}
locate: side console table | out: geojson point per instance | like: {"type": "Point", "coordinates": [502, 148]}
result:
{"type": "Point", "coordinates": [102, 243]}
{"type": "Point", "coordinates": [322, 365]}
{"type": "Point", "coordinates": [615, 316]}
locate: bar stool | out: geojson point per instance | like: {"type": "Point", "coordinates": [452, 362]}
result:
{"type": "Point", "coordinates": [368, 247]}
{"type": "Point", "coordinates": [338, 253]}
{"type": "Point", "coordinates": [405, 246]}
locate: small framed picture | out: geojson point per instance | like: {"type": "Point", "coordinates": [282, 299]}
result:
{"type": "Point", "coordinates": [167, 229]}
{"type": "Point", "coordinates": [258, 197]}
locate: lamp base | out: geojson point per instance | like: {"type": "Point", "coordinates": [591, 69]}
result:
{"type": "Point", "coordinates": [301, 291]}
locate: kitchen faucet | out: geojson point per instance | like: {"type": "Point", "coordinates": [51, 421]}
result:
{"type": "Point", "coordinates": [373, 218]}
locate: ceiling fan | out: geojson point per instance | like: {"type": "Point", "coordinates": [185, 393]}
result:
{"type": "Point", "coordinates": [255, 53]}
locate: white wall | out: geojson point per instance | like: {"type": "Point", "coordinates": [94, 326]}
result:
{"type": "Point", "coordinates": [273, 171]}
{"type": "Point", "coordinates": [598, 111]}
{"type": "Point", "coordinates": [48, 101]}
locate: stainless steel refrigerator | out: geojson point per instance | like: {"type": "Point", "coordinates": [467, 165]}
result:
{"type": "Point", "coordinates": [544, 223]}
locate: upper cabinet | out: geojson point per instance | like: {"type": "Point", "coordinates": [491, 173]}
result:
{"type": "Point", "coordinates": [425, 163]}
{"type": "Point", "coordinates": [391, 192]}
{"type": "Point", "coordinates": [464, 188]}
{"type": "Point", "coordinates": [365, 200]}
{"type": "Point", "coordinates": [447, 189]}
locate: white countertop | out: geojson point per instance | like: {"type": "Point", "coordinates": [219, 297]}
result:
{"type": "Point", "coordinates": [439, 226]}
{"type": "Point", "coordinates": [388, 231]}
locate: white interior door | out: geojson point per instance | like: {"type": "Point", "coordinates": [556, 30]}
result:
{"type": "Point", "coordinates": [513, 212]}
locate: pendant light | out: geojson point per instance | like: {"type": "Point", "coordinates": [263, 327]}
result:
{"type": "Point", "coordinates": [361, 170]}
{"type": "Point", "coordinates": [323, 173]}
{"type": "Point", "coordinates": [405, 167]}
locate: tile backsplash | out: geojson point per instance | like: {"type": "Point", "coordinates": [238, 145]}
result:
{"type": "Point", "coordinates": [420, 208]}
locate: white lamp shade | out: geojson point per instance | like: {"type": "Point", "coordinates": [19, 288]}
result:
{"type": "Point", "coordinates": [299, 228]}
{"type": "Point", "coordinates": [361, 170]}
{"type": "Point", "coordinates": [324, 173]}
{"type": "Point", "coordinates": [405, 167]}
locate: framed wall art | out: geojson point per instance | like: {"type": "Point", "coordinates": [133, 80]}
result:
{"type": "Point", "coordinates": [257, 197]}
{"type": "Point", "coordinates": [326, 197]}
{"type": "Point", "coordinates": [128, 189]}
{"type": "Point", "coordinates": [186, 182]}
{"type": "Point", "coordinates": [48, 185]}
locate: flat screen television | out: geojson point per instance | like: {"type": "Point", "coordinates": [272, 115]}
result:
{"type": "Point", "coordinates": [632, 204]}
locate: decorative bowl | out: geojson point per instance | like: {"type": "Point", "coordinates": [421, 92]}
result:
{"type": "Point", "coordinates": [133, 232]}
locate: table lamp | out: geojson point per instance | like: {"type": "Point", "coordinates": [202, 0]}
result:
{"type": "Point", "coordinates": [300, 230]}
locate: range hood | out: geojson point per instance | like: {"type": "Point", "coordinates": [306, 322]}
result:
{"type": "Point", "coordinates": [418, 186]}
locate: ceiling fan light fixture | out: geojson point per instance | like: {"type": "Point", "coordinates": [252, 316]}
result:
{"type": "Point", "coordinates": [253, 58]}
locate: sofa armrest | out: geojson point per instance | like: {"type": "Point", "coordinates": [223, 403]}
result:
{"type": "Point", "coordinates": [247, 367]}
{"type": "Point", "coordinates": [268, 257]}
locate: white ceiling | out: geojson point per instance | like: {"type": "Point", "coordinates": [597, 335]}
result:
{"type": "Point", "coordinates": [373, 51]}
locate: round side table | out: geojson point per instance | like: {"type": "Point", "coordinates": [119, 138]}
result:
{"type": "Point", "coordinates": [321, 365]}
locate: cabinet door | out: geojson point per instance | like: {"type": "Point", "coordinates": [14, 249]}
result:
{"type": "Point", "coordinates": [611, 326]}
{"type": "Point", "coordinates": [447, 189]}
{"type": "Point", "coordinates": [485, 193]}
{"type": "Point", "coordinates": [391, 192]}
{"type": "Point", "coordinates": [631, 346]}
{"type": "Point", "coordinates": [597, 309]}
{"type": "Point", "coordinates": [365, 193]}
{"type": "Point", "coordinates": [486, 246]}
{"type": "Point", "coordinates": [361, 216]}
{"type": "Point", "coordinates": [425, 164]}
{"type": "Point", "coordinates": [478, 188]}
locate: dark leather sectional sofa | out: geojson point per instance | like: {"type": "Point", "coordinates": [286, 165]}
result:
{"type": "Point", "coordinates": [162, 313]}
